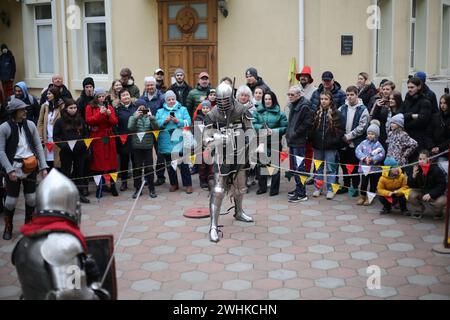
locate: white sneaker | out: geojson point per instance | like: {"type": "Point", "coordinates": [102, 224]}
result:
{"type": "Point", "coordinates": [330, 195]}
{"type": "Point", "coordinates": [317, 193]}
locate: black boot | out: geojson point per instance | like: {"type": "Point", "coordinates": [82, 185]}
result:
{"type": "Point", "coordinates": [29, 211]}
{"type": "Point", "coordinates": [7, 235]}
{"type": "Point", "coordinates": [114, 190]}
{"type": "Point", "coordinates": [124, 186]}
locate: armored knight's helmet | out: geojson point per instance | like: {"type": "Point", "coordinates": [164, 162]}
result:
{"type": "Point", "coordinates": [57, 196]}
{"type": "Point", "coordinates": [224, 99]}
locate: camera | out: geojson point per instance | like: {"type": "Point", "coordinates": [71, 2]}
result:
{"type": "Point", "coordinates": [145, 111]}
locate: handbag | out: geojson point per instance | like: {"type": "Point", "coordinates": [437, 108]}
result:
{"type": "Point", "coordinates": [29, 164]}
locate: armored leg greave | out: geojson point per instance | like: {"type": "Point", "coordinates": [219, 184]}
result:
{"type": "Point", "coordinates": [215, 204]}
{"type": "Point", "coordinates": [240, 188]}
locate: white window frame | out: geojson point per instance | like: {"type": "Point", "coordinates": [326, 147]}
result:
{"type": "Point", "coordinates": [412, 49]}
{"type": "Point", "coordinates": [412, 64]}
{"type": "Point", "coordinates": [444, 71]}
{"type": "Point", "coordinates": [33, 77]}
{"type": "Point", "coordinates": [81, 39]}
{"type": "Point", "coordinates": [389, 74]}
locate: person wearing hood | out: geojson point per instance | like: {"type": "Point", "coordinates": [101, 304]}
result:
{"type": "Point", "coordinates": [86, 97]}
{"type": "Point", "coordinates": [159, 76]}
{"type": "Point", "coordinates": [198, 94]}
{"type": "Point", "coordinates": [7, 70]}
{"type": "Point", "coordinates": [57, 82]}
{"type": "Point", "coordinates": [172, 119]}
{"type": "Point", "coordinates": [371, 154]}
{"type": "Point", "coordinates": [383, 108]}
{"type": "Point", "coordinates": [355, 119]}
{"type": "Point", "coordinates": [438, 133]}
{"type": "Point", "coordinates": [428, 92]}
{"type": "Point", "coordinates": [392, 187]}
{"type": "Point", "coordinates": [50, 113]}
{"type": "Point", "coordinates": [417, 112]}
{"type": "Point", "coordinates": [127, 80]}
{"type": "Point", "coordinates": [329, 84]}
{"type": "Point", "coordinates": [180, 87]}
{"type": "Point", "coordinates": [212, 99]}
{"type": "Point", "coordinates": [306, 82]}
{"type": "Point", "coordinates": [400, 145]}
{"type": "Point", "coordinates": [269, 119]}
{"type": "Point", "coordinates": [366, 88]}
{"type": "Point", "coordinates": [33, 106]}
{"type": "Point", "coordinates": [254, 80]}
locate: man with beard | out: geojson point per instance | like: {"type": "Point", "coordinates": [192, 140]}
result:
{"type": "Point", "coordinates": [159, 76]}
{"type": "Point", "coordinates": [306, 82]}
{"type": "Point", "coordinates": [57, 81]}
{"type": "Point", "coordinates": [180, 87]}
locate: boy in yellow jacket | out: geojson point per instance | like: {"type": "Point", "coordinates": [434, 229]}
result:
{"type": "Point", "coordinates": [392, 188]}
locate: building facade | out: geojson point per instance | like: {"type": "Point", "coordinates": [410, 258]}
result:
{"type": "Point", "coordinates": [76, 38]}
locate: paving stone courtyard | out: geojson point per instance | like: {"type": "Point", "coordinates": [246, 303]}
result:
{"type": "Point", "coordinates": [315, 250]}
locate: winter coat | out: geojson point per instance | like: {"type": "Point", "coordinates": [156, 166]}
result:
{"type": "Point", "coordinates": [299, 124]}
{"type": "Point", "coordinates": [259, 83]}
{"type": "Point", "coordinates": [360, 123]}
{"type": "Point", "coordinates": [400, 146]}
{"type": "Point", "coordinates": [195, 97]}
{"type": "Point", "coordinates": [42, 130]}
{"type": "Point", "coordinates": [104, 154]}
{"type": "Point", "coordinates": [372, 149]}
{"type": "Point", "coordinates": [367, 92]}
{"type": "Point", "coordinates": [308, 91]}
{"type": "Point", "coordinates": [271, 118]}
{"type": "Point", "coordinates": [7, 66]}
{"type": "Point", "coordinates": [322, 137]}
{"type": "Point", "coordinates": [60, 133]}
{"type": "Point", "coordinates": [172, 134]}
{"type": "Point", "coordinates": [381, 113]}
{"type": "Point", "coordinates": [123, 116]}
{"type": "Point", "coordinates": [142, 124]}
{"type": "Point", "coordinates": [181, 92]}
{"type": "Point", "coordinates": [34, 108]}
{"type": "Point", "coordinates": [155, 103]}
{"type": "Point", "coordinates": [199, 113]}
{"type": "Point", "coordinates": [339, 96]}
{"type": "Point", "coordinates": [133, 89]}
{"type": "Point", "coordinates": [432, 98]}
{"type": "Point", "coordinates": [82, 102]}
{"type": "Point", "coordinates": [65, 93]}
{"type": "Point", "coordinates": [438, 132]}
{"type": "Point", "coordinates": [388, 184]}
{"type": "Point", "coordinates": [417, 128]}
{"type": "Point", "coordinates": [433, 183]}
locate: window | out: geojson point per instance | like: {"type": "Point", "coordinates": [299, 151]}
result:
{"type": "Point", "coordinates": [95, 37]}
{"type": "Point", "coordinates": [413, 33]}
{"type": "Point", "coordinates": [44, 38]}
{"type": "Point", "coordinates": [445, 51]}
{"type": "Point", "coordinates": [418, 41]}
{"type": "Point", "coordinates": [384, 45]}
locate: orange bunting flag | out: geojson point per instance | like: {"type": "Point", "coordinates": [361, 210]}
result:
{"type": "Point", "coordinates": [114, 176]}
{"type": "Point", "coordinates": [318, 164]}
{"type": "Point", "coordinates": [123, 138]}
{"type": "Point", "coordinates": [303, 179]}
{"type": "Point", "coordinates": [319, 184]}
{"type": "Point", "coordinates": [283, 156]}
{"type": "Point", "coordinates": [156, 134]}
{"type": "Point", "coordinates": [425, 168]}
{"type": "Point", "coordinates": [107, 178]}
{"type": "Point", "coordinates": [88, 142]}
{"type": "Point", "coordinates": [335, 187]}
{"type": "Point", "coordinates": [350, 168]}
{"type": "Point", "coordinates": [50, 146]}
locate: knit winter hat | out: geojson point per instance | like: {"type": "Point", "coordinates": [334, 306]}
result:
{"type": "Point", "coordinates": [251, 72]}
{"type": "Point", "coordinates": [99, 91]}
{"type": "Point", "coordinates": [88, 81]}
{"type": "Point", "coordinates": [179, 71]}
{"type": "Point", "coordinates": [422, 76]}
{"type": "Point", "coordinates": [206, 103]}
{"type": "Point", "coordinates": [374, 128]}
{"type": "Point", "coordinates": [391, 162]}
{"type": "Point", "coordinates": [399, 119]}
{"type": "Point", "coordinates": [140, 102]}
{"type": "Point", "coordinates": [169, 94]}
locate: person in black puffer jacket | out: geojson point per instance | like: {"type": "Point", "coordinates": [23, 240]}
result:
{"type": "Point", "coordinates": [438, 133]}
{"type": "Point", "coordinates": [417, 112]}
{"type": "Point", "coordinates": [254, 80]}
{"type": "Point", "coordinates": [86, 97]}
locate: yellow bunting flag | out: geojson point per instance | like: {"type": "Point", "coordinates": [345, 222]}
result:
{"type": "Point", "coordinates": [156, 133]}
{"type": "Point", "coordinates": [114, 176]}
{"type": "Point", "coordinates": [335, 187]}
{"type": "Point", "coordinates": [407, 192]}
{"type": "Point", "coordinates": [271, 170]}
{"type": "Point", "coordinates": [88, 142]}
{"type": "Point", "coordinates": [193, 157]}
{"type": "Point", "coordinates": [317, 164]}
{"type": "Point", "coordinates": [303, 179]}
{"type": "Point", "coordinates": [385, 169]}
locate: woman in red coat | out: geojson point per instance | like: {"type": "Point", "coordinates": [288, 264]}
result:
{"type": "Point", "coordinates": [102, 118]}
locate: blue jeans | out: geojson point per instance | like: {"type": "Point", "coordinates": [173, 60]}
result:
{"type": "Point", "coordinates": [329, 156]}
{"type": "Point", "coordinates": [301, 191]}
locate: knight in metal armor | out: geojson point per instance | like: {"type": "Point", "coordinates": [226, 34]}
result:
{"type": "Point", "coordinates": [51, 259]}
{"type": "Point", "coordinates": [228, 136]}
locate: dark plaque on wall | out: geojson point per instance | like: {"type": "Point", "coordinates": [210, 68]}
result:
{"type": "Point", "coordinates": [346, 45]}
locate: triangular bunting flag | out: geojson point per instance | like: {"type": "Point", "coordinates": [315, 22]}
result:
{"type": "Point", "coordinates": [371, 196]}
{"type": "Point", "coordinates": [385, 169]}
{"type": "Point", "coordinates": [88, 142]}
{"type": "Point", "coordinates": [107, 178]}
{"type": "Point", "coordinates": [283, 156]}
{"type": "Point", "coordinates": [174, 164]}
{"type": "Point", "coordinates": [252, 165]}
{"type": "Point", "coordinates": [72, 144]}
{"type": "Point", "coordinates": [271, 170]}
{"type": "Point", "coordinates": [50, 146]}
{"type": "Point", "coordinates": [97, 180]}
{"type": "Point", "coordinates": [140, 136]}
{"type": "Point", "coordinates": [335, 187]}
{"type": "Point", "coordinates": [350, 168]}
{"type": "Point", "coordinates": [319, 184]}
{"type": "Point", "coordinates": [390, 200]}
{"type": "Point", "coordinates": [156, 134]}
{"type": "Point", "coordinates": [352, 191]}
{"type": "Point", "coordinates": [318, 164]}
{"type": "Point", "coordinates": [260, 148]}
{"type": "Point", "coordinates": [114, 176]}
{"type": "Point", "coordinates": [187, 128]}
{"type": "Point", "coordinates": [407, 192]}
{"type": "Point", "coordinates": [303, 179]}
{"type": "Point", "coordinates": [123, 138]}
{"type": "Point", "coordinates": [299, 160]}
{"type": "Point", "coordinates": [201, 127]}
{"type": "Point", "coordinates": [365, 170]}
{"type": "Point", "coordinates": [105, 140]}
{"type": "Point", "coordinates": [425, 168]}
{"type": "Point", "coordinates": [193, 157]}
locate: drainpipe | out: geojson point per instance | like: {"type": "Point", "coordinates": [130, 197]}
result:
{"type": "Point", "coordinates": [301, 20]}
{"type": "Point", "coordinates": [64, 41]}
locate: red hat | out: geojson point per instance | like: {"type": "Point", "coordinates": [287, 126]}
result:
{"type": "Point", "coordinates": [305, 71]}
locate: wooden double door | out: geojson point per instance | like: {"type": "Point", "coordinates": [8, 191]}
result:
{"type": "Point", "coordinates": [188, 38]}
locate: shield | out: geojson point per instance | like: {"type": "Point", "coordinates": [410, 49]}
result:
{"type": "Point", "coordinates": [102, 248]}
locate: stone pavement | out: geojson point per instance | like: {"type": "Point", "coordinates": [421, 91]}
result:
{"type": "Point", "coordinates": [315, 250]}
